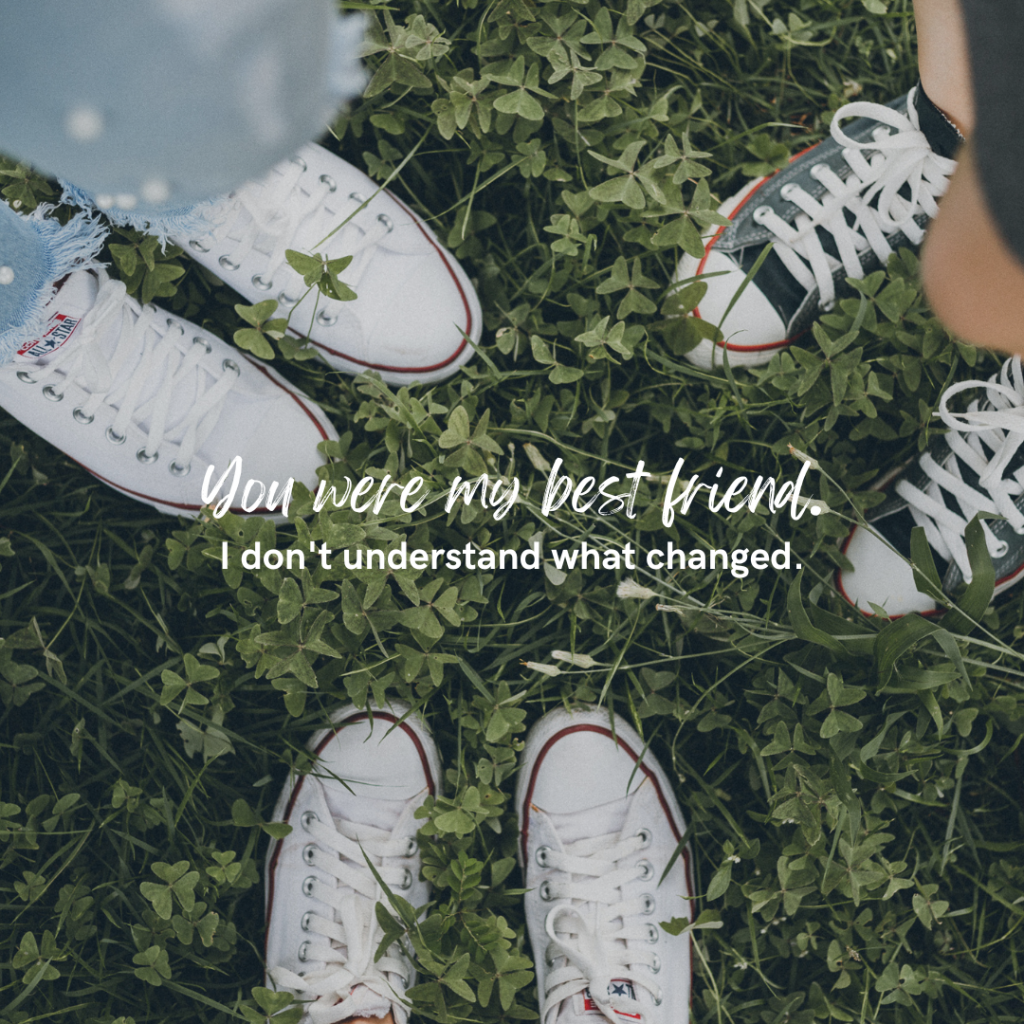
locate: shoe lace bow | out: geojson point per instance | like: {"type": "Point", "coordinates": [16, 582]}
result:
{"type": "Point", "coordinates": [268, 217]}
{"type": "Point", "coordinates": [150, 347]}
{"type": "Point", "coordinates": [345, 937]}
{"type": "Point", "coordinates": [860, 211]}
{"type": "Point", "coordinates": [985, 438]}
{"type": "Point", "coordinates": [590, 931]}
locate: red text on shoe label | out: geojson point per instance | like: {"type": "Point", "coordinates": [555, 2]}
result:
{"type": "Point", "coordinates": [59, 328]}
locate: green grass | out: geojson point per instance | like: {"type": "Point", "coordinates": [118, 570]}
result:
{"type": "Point", "coordinates": [853, 787]}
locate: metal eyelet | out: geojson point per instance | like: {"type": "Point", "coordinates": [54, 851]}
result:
{"type": "Point", "coordinates": [649, 903]}
{"type": "Point", "coordinates": [304, 952]}
{"type": "Point", "coordinates": [406, 882]}
{"type": "Point", "coordinates": [545, 892]}
{"type": "Point", "coordinates": [307, 886]}
{"type": "Point", "coordinates": [299, 162]}
{"type": "Point", "coordinates": [198, 246]}
{"type": "Point", "coordinates": [646, 870]}
{"type": "Point", "coordinates": [114, 438]}
{"type": "Point", "coordinates": [656, 965]}
{"type": "Point", "coordinates": [326, 179]}
{"type": "Point", "coordinates": [652, 934]}
{"type": "Point", "coordinates": [787, 191]}
{"type": "Point", "coordinates": [307, 819]}
{"type": "Point", "coordinates": [228, 264]}
{"type": "Point", "coordinates": [306, 918]}
{"type": "Point", "coordinates": [177, 470]}
{"type": "Point", "coordinates": [204, 343]}
{"type": "Point", "coordinates": [309, 853]}
{"type": "Point", "coordinates": [53, 394]}
{"type": "Point", "coordinates": [326, 319]}
{"type": "Point", "coordinates": [542, 855]}
{"type": "Point", "coordinates": [285, 299]}
{"type": "Point", "coordinates": [357, 196]}
{"type": "Point", "coordinates": [263, 286]}
{"type": "Point", "coordinates": [230, 364]}
{"type": "Point", "coordinates": [386, 221]}
{"type": "Point", "coordinates": [25, 377]}
{"type": "Point", "coordinates": [761, 212]}
{"type": "Point", "coordinates": [644, 835]}
{"type": "Point", "coordinates": [1001, 548]}
{"type": "Point", "coordinates": [144, 457]}
{"type": "Point", "coordinates": [657, 1000]}
{"type": "Point", "coordinates": [80, 417]}
{"type": "Point", "coordinates": [411, 847]}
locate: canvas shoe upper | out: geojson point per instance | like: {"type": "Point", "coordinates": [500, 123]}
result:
{"type": "Point", "coordinates": [838, 210]}
{"type": "Point", "coordinates": [146, 401]}
{"type": "Point", "coordinates": [357, 804]}
{"type": "Point", "coordinates": [977, 467]}
{"type": "Point", "coordinates": [599, 824]}
{"type": "Point", "coordinates": [415, 305]}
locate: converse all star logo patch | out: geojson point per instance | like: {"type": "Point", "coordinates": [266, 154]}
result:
{"type": "Point", "coordinates": [59, 328]}
{"type": "Point", "coordinates": [619, 987]}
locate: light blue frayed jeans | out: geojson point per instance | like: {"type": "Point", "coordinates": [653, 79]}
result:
{"type": "Point", "coordinates": [152, 107]}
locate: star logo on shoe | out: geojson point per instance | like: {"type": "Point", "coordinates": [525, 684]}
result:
{"type": "Point", "coordinates": [59, 328]}
{"type": "Point", "coordinates": [618, 987]}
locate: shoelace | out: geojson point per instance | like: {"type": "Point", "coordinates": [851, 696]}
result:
{"type": "Point", "coordinates": [154, 343]}
{"type": "Point", "coordinates": [994, 426]}
{"type": "Point", "coordinates": [346, 940]}
{"type": "Point", "coordinates": [898, 160]}
{"type": "Point", "coordinates": [592, 932]}
{"type": "Point", "coordinates": [267, 217]}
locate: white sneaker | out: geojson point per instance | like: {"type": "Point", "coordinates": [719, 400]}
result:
{"type": "Point", "coordinates": [146, 401]}
{"type": "Point", "coordinates": [598, 827]}
{"type": "Point", "coordinates": [415, 305]}
{"type": "Point", "coordinates": [321, 897]}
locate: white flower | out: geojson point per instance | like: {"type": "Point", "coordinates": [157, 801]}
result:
{"type": "Point", "coordinates": [631, 589]}
{"type": "Point", "coordinates": [547, 670]}
{"type": "Point", "coordinates": [803, 457]}
{"type": "Point", "coordinates": [536, 459]}
{"type": "Point", "coordinates": [579, 660]}
{"type": "Point", "coordinates": [814, 505]}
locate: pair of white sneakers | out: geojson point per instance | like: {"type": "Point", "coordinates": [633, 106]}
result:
{"type": "Point", "coordinates": [147, 401]}
{"type": "Point", "coordinates": [601, 847]}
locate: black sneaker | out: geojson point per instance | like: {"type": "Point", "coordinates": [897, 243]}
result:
{"type": "Point", "coordinates": [977, 467]}
{"type": "Point", "coordinates": [838, 210]}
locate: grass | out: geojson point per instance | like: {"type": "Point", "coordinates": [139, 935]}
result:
{"type": "Point", "coordinates": [853, 787]}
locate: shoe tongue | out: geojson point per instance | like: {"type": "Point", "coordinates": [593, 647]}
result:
{"type": "Point", "coordinates": [356, 807]}
{"type": "Point", "coordinates": [606, 819]}
{"type": "Point", "coordinates": [65, 312]}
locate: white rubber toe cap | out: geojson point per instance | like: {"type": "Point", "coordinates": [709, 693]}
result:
{"type": "Point", "coordinates": [753, 329]}
{"type": "Point", "coordinates": [880, 577]}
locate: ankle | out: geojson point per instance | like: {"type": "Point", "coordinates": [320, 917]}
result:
{"type": "Point", "coordinates": [944, 60]}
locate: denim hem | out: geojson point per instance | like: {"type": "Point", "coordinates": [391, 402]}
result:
{"type": "Point", "coordinates": [51, 250]}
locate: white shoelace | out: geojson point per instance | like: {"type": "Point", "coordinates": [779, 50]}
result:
{"type": "Point", "coordinates": [150, 346]}
{"type": "Point", "coordinates": [267, 217]}
{"type": "Point", "coordinates": [994, 426]}
{"type": "Point", "coordinates": [346, 940]}
{"type": "Point", "coordinates": [591, 934]}
{"type": "Point", "coordinates": [899, 159]}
